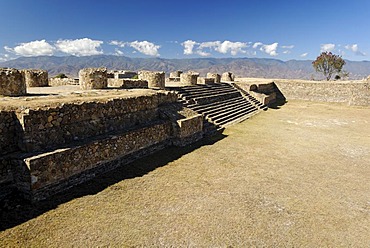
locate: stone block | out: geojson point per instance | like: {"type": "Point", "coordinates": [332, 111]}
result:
{"type": "Point", "coordinates": [217, 77]}
{"type": "Point", "coordinates": [156, 79]}
{"type": "Point", "coordinates": [175, 74]}
{"type": "Point", "coordinates": [189, 78]}
{"type": "Point", "coordinates": [12, 82]}
{"type": "Point", "coordinates": [227, 76]}
{"type": "Point", "coordinates": [93, 78]}
{"type": "Point", "coordinates": [36, 78]}
{"type": "Point", "coordinates": [203, 80]}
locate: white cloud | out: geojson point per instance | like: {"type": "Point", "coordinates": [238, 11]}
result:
{"type": "Point", "coordinates": [303, 55]}
{"type": "Point", "coordinates": [286, 52]}
{"type": "Point", "coordinates": [80, 47]}
{"type": "Point", "coordinates": [33, 48]}
{"type": "Point", "coordinates": [257, 44]}
{"type": "Point", "coordinates": [288, 47]}
{"type": "Point", "coordinates": [188, 46]}
{"type": "Point", "coordinates": [354, 48]}
{"type": "Point", "coordinates": [221, 47]}
{"type": "Point", "coordinates": [117, 43]}
{"type": "Point", "coordinates": [118, 52]}
{"type": "Point", "coordinates": [233, 47]}
{"type": "Point", "coordinates": [327, 47]}
{"type": "Point", "coordinates": [270, 49]}
{"type": "Point", "coordinates": [145, 47]}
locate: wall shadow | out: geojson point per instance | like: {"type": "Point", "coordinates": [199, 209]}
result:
{"type": "Point", "coordinates": [15, 210]}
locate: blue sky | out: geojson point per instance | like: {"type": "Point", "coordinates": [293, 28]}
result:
{"type": "Point", "coordinates": [283, 30]}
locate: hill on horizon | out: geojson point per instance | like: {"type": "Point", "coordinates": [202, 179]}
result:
{"type": "Point", "coordinates": [241, 67]}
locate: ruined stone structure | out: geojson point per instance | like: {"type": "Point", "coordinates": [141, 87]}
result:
{"type": "Point", "coordinates": [12, 82]}
{"type": "Point", "coordinates": [36, 78]}
{"type": "Point", "coordinates": [217, 77]}
{"type": "Point", "coordinates": [156, 79]}
{"type": "Point", "coordinates": [93, 78]}
{"type": "Point", "coordinates": [54, 82]}
{"type": "Point", "coordinates": [175, 74]}
{"type": "Point", "coordinates": [120, 74]}
{"type": "Point", "coordinates": [227, 77]}
{"type": "Point", "coordinates": [46, 149]}
{"type": "Point", "coordinates": [127, 83]}
{"type": "Point", "coordinates": [203, 80]}
{"type": "Point", "coordinates": [189, 78]}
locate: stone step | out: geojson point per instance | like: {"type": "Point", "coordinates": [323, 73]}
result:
{"type": "Point", "coordinates": [235, 116]}
{"type": "Point", "coordinates": [219, 114]}
{"type": "Point", "coordinates": [229, 112]}
{"type": "Point", "coordinates": [222, 107]}
{"type": "Point", "coordinates": [216, 97]}
{"type": "Point", "coordinates": [209, 94]}
{"type": "Point", "coordinates": [197, 107]}
{"type": "Point", "coordinates": [194, 89]}
{"type": "Point", "coordinates": [206, 91]}
{"type": "Point", "coordinates": [238, 118]}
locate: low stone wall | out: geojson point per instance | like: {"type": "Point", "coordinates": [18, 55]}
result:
{"type": "Point", "coordinates": [55, 126]}
{"type": "Point", "coordinates": [188, 130]}
{"type": "Point", "coordinates": [36, 78]}
{"type": "Point", "coordinates": [156, 79]}
{"type": "Point", "coordinates": [127, 83]}
{"type": "Point", "coordinates": [54, 82]}
{"type": "Point", "coordinates": [52, 168]}
{"type": "Point", "coordinates": [12, 82]}
{"type": "Point", "coordinates": [93, 78]}
{"type": "Point", "coordinates": [351, 93]}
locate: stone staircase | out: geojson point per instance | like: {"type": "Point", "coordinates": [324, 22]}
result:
{"type": "Point", "coordinates": [220, 104]}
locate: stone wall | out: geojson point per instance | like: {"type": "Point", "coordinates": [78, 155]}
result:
{"type": "Point", "coordinates": [36, 78]}
{"type": "Point", "coordinates": [12, 82]}
{"type": "Point", "coordinates": [55, 167]}
{"type": "Point", "coordinates": [48, 127]}
{"type": "Point", "coordinates": [54, 82]}
{"type": "Point", "coordinates": [351, 93]}
{"type": "Point", "coordinates": [93, 78]}
{"type": "Point", "coordinates": [8, 132]}
{"type": "Point", "coordinates": [127, 83]}
{"type": "Point", "coordinates": [156, 79]}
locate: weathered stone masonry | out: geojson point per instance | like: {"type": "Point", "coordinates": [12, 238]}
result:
{"type": "Point", "coordinates": [52, 148]}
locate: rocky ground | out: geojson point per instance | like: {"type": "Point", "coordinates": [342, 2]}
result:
{"type": "Point", "coordinates": [296, 175]}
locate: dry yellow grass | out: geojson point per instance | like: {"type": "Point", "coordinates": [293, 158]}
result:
{"type": "Point", "coordinates": [295, 176]}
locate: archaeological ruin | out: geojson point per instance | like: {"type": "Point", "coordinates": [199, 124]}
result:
{"type": "Point", "coordinates": [80, 128]}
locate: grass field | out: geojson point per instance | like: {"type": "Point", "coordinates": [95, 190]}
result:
{"type": "Point", "coordinates": [294, 176]}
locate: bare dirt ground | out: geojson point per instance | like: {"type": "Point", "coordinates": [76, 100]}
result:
{"type": "Point", "coordinates": [297, 176]}
{"type": "Point", "coordinates": [53, 96]}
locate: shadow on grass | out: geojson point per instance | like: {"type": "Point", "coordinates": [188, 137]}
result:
{"type": "Point", "coordinates": [15, 211]}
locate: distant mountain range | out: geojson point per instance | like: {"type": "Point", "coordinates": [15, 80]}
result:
{"type": "Point", "coordinates": [241, 67]}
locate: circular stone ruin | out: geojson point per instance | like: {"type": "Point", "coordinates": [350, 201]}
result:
{"type": "Point", "coordinates": [36, 78]}
{"type": "Point", "coordinates": [189, 78]}
{"type": "Point", "coordinates": [156, 79]}
{"type": "Point", "coordinates": [93, 78]}
{"type": "Point", "coordinates": [216, 76]}
{"type": "Point", "coordinates": [227, 76]}
{"type": "Point", "coordinates": [12, 82]}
